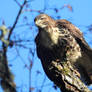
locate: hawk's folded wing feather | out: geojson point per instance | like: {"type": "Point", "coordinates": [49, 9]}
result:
{"type": "Point", "coordinates": [77, 34]}
{"type": "Point", "coordinates": [86, 60]}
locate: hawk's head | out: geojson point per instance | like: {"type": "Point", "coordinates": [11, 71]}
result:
{"type": "Point", "coordinates": [43, 21]}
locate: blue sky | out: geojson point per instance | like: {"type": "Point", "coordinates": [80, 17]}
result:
{"type": "Point", "coordinates": [81, 17]}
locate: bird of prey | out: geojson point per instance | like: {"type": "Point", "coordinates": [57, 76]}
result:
{"type": "Point", "coordinates": [61, 41]}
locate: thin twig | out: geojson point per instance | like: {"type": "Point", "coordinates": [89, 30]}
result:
{"type": "Point", "coordinates": [17, 3]}
{"type": "Point", "coordinates": [16, 20]}
{"type": "Point", "coordinates": [23, 61]}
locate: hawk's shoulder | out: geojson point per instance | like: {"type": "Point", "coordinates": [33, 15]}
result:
{"type": "Point", "coordinates": [72, 28]}
{"type": "Point", "coordinates": [74, 31]}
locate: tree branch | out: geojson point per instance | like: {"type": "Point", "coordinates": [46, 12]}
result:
{"type": "Point", "coordinates": [17, 18]}
{"type": "Point", "coordinates": [70, 80]}
{"type": "Point", "coordinates": [6, 76]}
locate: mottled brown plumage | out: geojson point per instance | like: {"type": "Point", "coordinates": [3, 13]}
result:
{"type": "Point", "coordinates": [61, 41]}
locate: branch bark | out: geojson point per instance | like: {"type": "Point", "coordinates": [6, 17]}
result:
{"type": "Point", "coordinates": [6, 76]}
{"type": "Point", "coordinates": [70, 80]}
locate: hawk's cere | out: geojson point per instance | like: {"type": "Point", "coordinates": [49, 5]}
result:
{"type": "Point", "coordinates": [61, 41]}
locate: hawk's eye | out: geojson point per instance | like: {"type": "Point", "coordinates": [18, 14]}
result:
{"type": "Point", "coordinates": [42, 18]}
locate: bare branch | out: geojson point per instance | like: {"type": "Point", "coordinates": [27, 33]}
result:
{"type": "Point", "coordinates": [16, 20]}
{"type": "Point", "coordinates": [17, 3]}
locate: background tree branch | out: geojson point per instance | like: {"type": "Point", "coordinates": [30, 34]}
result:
{"type": "Point", "coordinates": [17, 18]}
{"type": "Point", "coordinates": [6, 76]}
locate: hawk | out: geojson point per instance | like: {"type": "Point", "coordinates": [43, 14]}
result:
{"type": "Point", "coordinates": [61, 41]}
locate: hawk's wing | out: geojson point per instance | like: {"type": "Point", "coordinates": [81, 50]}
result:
{"type": "Point", "coordinates": [86, 60]}
{"type": "Point", "coordinates": [77, 34]}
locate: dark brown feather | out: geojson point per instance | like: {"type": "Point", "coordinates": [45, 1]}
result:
{"type": "Point", "coordinates": [77, 35]}
{"type": "Point", "coordinates": [86, 61]}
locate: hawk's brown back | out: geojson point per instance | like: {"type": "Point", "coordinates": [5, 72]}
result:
{"type": "Point", "coordinates": [84, 64]}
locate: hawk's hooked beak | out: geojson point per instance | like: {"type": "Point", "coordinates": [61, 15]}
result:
{"type": "Point", "coordinates": [37, 22]}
